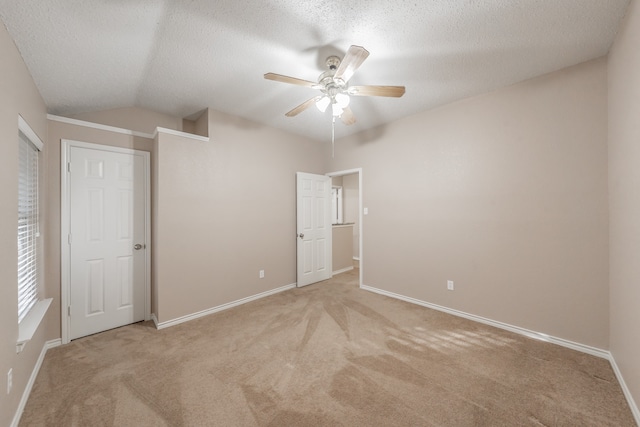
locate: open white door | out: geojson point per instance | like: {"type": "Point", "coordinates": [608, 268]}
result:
{"type": "Point", "coordinates": [107, 239]}
{"type": "Point", "coordinates": [314, 228]}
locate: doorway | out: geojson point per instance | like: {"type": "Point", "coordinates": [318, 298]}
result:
{"type": "Point", "coordinates": [352, 211]}
{"type": "Point", "coordinates": [105, 238]}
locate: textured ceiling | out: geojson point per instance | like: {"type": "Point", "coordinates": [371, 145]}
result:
{"type": "Point", "coordinates": [179, 57]}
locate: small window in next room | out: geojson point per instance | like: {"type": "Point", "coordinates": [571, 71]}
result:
{"type": "Point", "coordinates": [336, 205]}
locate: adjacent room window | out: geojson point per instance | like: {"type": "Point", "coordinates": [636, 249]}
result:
{"type": "Point", "coordinates": [336, 205]}
{"type": "Point", "coordinates": [28, 229]}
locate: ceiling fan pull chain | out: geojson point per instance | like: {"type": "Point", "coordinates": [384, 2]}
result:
{"type": "Point", "coordinates": [333, 136]}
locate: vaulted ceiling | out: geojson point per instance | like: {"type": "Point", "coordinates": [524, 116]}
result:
{"type": "Point", "coordinates": [179, 57]}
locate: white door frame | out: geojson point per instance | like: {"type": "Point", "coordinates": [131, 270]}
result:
{"type": "Point", "coordinates": [360, 210]}
{"type": "Point", "coordinates": [65, 226]}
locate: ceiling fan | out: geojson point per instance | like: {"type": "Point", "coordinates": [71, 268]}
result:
{"type": "Point", "coordinates": [334, 86]}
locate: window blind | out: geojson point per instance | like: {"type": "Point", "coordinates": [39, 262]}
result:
{"type": "Point", "coordinates": [27, 226]}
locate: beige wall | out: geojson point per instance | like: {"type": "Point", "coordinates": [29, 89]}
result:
{"type": "Point", "coordinates": [506, 194]}
{"type": "Point", "coordinates": [624, 199]}
{"type": "Point", "coordinates": [18, 95]}
{"type": "Point", "coordinates": [250, 177]}
{"type": "Point", "coordinates": [133, 118]}
{"type": "Point", "coordinates": [201, 124]}
{"type": "Point", "coordinates": [225, 210]}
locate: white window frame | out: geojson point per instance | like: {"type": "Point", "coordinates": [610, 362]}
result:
{"type": "Point", "coordinates": [31, 317]}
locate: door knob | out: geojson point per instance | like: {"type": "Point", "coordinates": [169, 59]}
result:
{"type": "Point", "coordinates": [137, 246]}
{"type": "Point", "coordinates": [301, 235]}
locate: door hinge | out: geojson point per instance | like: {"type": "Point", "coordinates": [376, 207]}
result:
{"type": "Point", "coordinates": [69, 311]}
{"type": "Point", "coordinates": [69, 167]}
{"type": "Point", "coordinates": [69, 239]}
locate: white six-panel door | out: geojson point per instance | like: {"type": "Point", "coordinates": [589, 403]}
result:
{"type": "Point", "coordinates": [107, 223]}
{"type": "Point", "coordinates": [314, 235]}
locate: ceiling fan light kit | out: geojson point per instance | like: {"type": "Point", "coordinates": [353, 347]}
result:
{"type": "Point", "coordinates": [342, 99]}
{"type": "Point", "coordinates": [323, 103]}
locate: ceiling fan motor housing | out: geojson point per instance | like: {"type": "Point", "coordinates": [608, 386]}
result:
{"type": "Point", "coordinates": [333, 62]}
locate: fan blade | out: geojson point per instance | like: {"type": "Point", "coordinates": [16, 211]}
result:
{"type": "Point", "coordinates": [290, 80]}
{"type": "Point", "coordinates": [300, 108]}
{"type": "Point", "coordinates": [347, 116]}
{"type": "Point", "coordinates": [352, 60]}
{"type": "Point", "coordinates": [393, 91]}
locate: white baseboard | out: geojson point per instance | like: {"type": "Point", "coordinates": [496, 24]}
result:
{"type": "Point", "coordinates": [343, 270]}
{"type": "Point", "coordinates": [627, 393]}
{"type": "Point", "coordinates": [188, 317]}
{"type": "Point", "coordinates": [32, 379]}
{"type": "Point", "coordinates": [516, 329]}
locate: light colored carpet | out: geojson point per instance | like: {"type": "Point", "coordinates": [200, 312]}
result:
{"type": "Point", "coordinates": [328, 354]}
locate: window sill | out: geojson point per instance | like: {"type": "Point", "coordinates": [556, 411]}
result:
{"type": "Point", "coordinates": [27, 328]}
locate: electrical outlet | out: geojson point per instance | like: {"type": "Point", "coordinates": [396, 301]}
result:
{"type": "Point", "coordinates": [261, 274]}
{"type": "Point", "coordinates": [450, 285]}
{"type": "Point", "coordinates": [9, 380]}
